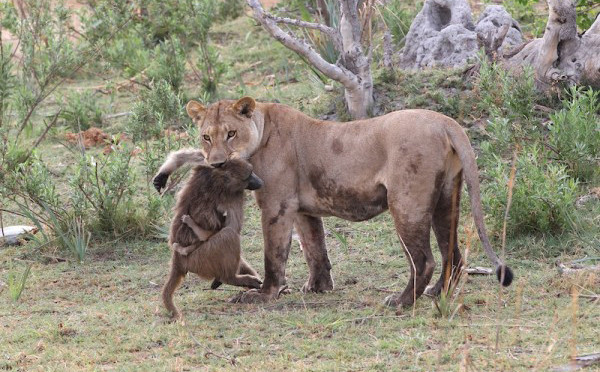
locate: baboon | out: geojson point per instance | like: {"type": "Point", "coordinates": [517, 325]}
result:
{"type": "Point", "coordinates": [205, 231]}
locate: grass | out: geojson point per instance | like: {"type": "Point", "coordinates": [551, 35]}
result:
{"type": "Point", "coordinates": [106, 314]}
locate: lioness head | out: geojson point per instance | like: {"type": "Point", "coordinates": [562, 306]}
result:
{"type": "Point", "coordinates": [228, 129]}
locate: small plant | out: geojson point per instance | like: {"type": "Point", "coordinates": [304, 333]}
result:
{"type": "Point", "coordinates": [398, 20]}
{"type": "Point", "coordinates": [16, 282]}
{"type": "Point", "coordinates": [81, 111]}
{"type": "Point", "coordinates": [105, 185]}
{"type": "Point", "coordinates": [575, 134]}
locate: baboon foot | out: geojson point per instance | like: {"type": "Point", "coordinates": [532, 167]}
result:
{"type": "Point", "coordinates": [318, 283]}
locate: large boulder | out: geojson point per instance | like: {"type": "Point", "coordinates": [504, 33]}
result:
{"type": "Point", "coordinates": [443, 34]}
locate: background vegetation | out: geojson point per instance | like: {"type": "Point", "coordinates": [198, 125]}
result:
{"type": "Point", "coordinates": [82, 293]}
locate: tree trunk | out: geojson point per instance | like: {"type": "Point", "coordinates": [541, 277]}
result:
{"type": "Point", "coordinates": [353, 70]}
{"type": "Point", "coordinates": [359, 98]}
{"type": "Point", "coordinates": [561, 55]}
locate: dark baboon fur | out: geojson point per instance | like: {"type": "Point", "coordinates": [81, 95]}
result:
{"type": "Point", "coordinates": [213, 199]}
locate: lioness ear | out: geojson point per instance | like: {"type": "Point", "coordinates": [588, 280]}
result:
{"type": "Point", "coordinates": [194, 108]}
{"type": "Point", "coordinates": [244, 106]}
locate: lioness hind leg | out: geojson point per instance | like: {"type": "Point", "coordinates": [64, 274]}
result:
{"type": "Point", "coordinates": [415, 236]}
{"type": "Point", "coordinates": [445, 222]}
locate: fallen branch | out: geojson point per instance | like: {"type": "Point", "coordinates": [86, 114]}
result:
{"type": "Point", "coordinates": [579, 362]}
{"type": "Point", "coordinates": [477, 270]}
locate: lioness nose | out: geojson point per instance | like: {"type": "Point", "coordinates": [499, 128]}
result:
{"type": "Point", "coordinates": [218, 165]}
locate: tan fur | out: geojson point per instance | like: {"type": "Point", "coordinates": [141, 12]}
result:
{"type": "Point", "coordinates": [210, 204]}
{"type": "Point", "coordinates": [407, 161]}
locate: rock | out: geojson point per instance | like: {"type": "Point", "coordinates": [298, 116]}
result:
{"type": "Point", "coordinates": [492, 19]}
{"type": "Point", "coordinates": [443, 34]}
{"type": "Point", "coordinates": [10, 235]}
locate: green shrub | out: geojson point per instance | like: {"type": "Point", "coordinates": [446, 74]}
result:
{"type": "Point", "coordinates": [81, 111]}
{"type": "Point", "coordinates": [543, 194]}
{"type": "Point", "coordinates": [575, 134]}
{"type": "Point", "coordinates": [168, 63]}
{"type": "Point", "coordinates": [506, 95]}
{"type": "Point", "coordinates": [102, 190]}
{"type": "Point", "coordinates": [230, 9]}
{"type": "Point", "coordinates": [129, 54]}
{"type": "Point", "coordinates": [157, 109]}
{"type": "Point", "coordinates": [398, 19]}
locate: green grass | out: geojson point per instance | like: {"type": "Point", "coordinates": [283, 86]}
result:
{"type": "Point", "coordinates": [106, 314]}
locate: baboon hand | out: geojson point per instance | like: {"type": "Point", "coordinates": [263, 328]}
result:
{"type": "Point", "coordinates": [187, 219]}
{"type": "Point", "coordinates": [160, 181]}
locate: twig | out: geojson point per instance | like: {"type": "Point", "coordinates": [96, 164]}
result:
{"type": "Point", "coordinates": [114, 116]}
{"type": "Point", "coordinates": [208, 352]}
{"type": "Point", "coordinates": [41, 137]}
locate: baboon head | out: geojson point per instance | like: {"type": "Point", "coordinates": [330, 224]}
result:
{"type": "Point", "coordinates": [236, 175]}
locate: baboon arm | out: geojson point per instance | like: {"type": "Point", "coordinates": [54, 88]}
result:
{"type": "Point", "coordinates": [201, 233]}
{"type": "Point", "coordinates": [174, 161]}
{"type": "Point", "coordinates": [229, 234]}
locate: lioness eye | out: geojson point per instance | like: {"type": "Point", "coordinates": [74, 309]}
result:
{"type": "Point", "coordinates": [231, 134]}
{"type": "Point", "coordinates": [206, 137]}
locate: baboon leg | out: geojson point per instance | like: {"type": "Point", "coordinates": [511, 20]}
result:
{"type": "Point", "coordinates": [184, 250]}
{"type": "Point", "coordinates": [413, 226]}
{"type": "Point", "coordinates": [312, 237]}
{"type": "Point", "coordinates": [445, 222]}
{"type": "Point", "coordinates": [245, 268]}
{"type": "Point", "coordinates": [173, 281]}
{"type": "Point", "coordinates": [248, 281]}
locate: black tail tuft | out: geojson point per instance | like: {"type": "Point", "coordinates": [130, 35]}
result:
{"type": "Point", "coordinates": [508, 275]}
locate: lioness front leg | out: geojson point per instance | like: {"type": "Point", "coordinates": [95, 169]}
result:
{"type": "Point", "coordinates": [277, 231]}
{"type": "Point", "coordinates": [312, 236]}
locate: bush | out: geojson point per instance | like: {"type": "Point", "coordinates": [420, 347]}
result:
{"type": "Point", "coordinates": [102, 190]}
{"type": "Point", "coordinates": [503, 94]}
{"type": "Point", "coordinates": [543, 194]}
{"type": "Point", "coordinates": [168, 64]}
{"type": "Point", "coordinates": [157, 109]}
{"type": "Point", "coordinates": [575, 134]}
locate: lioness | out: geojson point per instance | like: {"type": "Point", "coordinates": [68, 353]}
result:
{"type": "Point", "coordinates": [407, 161]}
